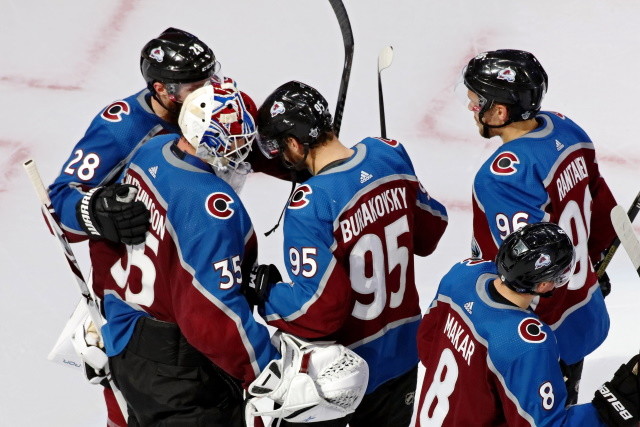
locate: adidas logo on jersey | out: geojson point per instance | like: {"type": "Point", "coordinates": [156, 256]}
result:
{"type": "Point", "coordinates": [153, 170]}
{"type": "Point", "coordinates": [559, 145]}
{"type": "Point", "coordinates": [469, 307]}
{"type": "Point", "coordinates": [364, 177]}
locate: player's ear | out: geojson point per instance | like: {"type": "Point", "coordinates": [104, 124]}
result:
{"type": "Point", "coordinates": [544, 287]}
{"type": "Point", "coordinates": [159, 88]}
{"type": "Point", "coordinates": [502, 112]}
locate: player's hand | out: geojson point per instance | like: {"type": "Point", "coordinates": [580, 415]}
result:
{"type": "Point", "coordinates": [618, 400]}
{"type": "Point", "coordinates": [262, 277]}
{"type": "Point", "coordinates": [605, 283]}
{"type": "Point", "coordinates": [112, 213]}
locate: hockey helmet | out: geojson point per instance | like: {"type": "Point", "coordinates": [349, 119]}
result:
{"type": "Point", "coordinates": [176, 57]}
{"type": "Point", "coordinates": [511, 77]}
{"type": "Point", "coordinates": [215, 119]}
{"type": "Point", "coordinates": [540, 252]}
{"type": "Point", "coordinates": [294, 109]}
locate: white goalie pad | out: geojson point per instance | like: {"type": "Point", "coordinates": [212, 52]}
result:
{"type": "Point", "coordinates": [312, 382]}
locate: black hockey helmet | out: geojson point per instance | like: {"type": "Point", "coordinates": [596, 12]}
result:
{"type": "Point", "coordinates": [540, 252]}
{"type": "Point", "coordinates": [176, 56]}
{"type": "Point", "coordinates": [511, 77]}
{"type": "Point", "coordinates": [294, 109]}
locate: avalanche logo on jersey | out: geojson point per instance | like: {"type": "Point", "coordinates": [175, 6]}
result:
{"type": "Point", "coordinates": [218, 205]}
{"type": "Point", "coordinates": [507, 74]}
{"type": "Point", "coordinates": [299, 199]}
{"type": "Point", "coordinates": [504, 164]}
{"type": "Point", "coordinates": [543, 261]}
{"type": "Point", "coordinates": [157, 54]}
{"type": "Point", "coordinates": [530, 330]}
{"type": "Point", "coordinates": [277, 108]}
{"type": "Point", "coordinates": [391, 142]}
{"type": "Point", "coordinates": [114, 112]}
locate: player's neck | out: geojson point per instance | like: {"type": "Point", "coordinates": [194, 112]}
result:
{"type": "Point", "coordinates": [162, 112]}
{"type": "Point", "coordinates": [516, 130]}
{"type": "Point", "coordinates": [322, 155]}
{"type": "Point", "coordinates": [521, 300]}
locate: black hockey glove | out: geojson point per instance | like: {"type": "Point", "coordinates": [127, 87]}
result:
{"type": "Point", "coordinates": [262, 277]}
{"type": "Point", "coordinates": [618, 400]}
{"type": "Point", "coordinates": [605, 283]}
{"type": "Point", "coordinates": [111, 213]}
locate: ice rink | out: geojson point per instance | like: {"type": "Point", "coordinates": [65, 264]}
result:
{"type": "Point", "coordinates": [65, 61]}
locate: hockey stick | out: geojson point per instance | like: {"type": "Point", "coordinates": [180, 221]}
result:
{"type": "Point", "coordinates": [347, 37]}
{"type": "Point", "coordinates": [52, 221]}
{"type": "Point", "coordinates": [627, 237]}
{"type": "Point", "coordinates": [385, 57]}
{"type": "Point", "coordinates": [631, 213]}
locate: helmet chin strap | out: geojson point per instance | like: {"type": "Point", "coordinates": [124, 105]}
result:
{"type": "Point", "coordinates": [486, 126]}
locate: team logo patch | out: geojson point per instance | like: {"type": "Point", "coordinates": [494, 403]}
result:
{"type": "Point", "coordinates": [507, 74]}
{"type": "Point", "coordinates": [543, 261]}
{"type": "Point", "coordinates": [114, 112]}
{"type": "Point", "coordinates": [299, 199]}
{"type": "Point", "coordinates": [218, 205]}
{"type": "Point", "coordinates": [277, 108]}
{"type": "Point", "coordinates": [530, 330]}
{"type": "Point", "coordinates": [157, 54]}
{"type": "Point", "coordinates": [562, 116]}
{"type": "Point", "coordinates": [504, 164]}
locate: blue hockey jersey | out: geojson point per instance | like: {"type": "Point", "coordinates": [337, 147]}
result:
{"type": "Point", "coordinates": [350, 234]}
{"type": "Point", "coordinates": [199, 247]}
{"type": "Point", "coordinates": [100, 156]}
{"type": "Point", "coordinates": [551, 174]}
{"type": "Point", "coordinates": [490, 363]}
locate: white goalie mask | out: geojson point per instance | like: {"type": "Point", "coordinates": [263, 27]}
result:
{"type": "Point", "coordinates": [216, 122]}
{"type": "Point", "coordinates": [312, 382]}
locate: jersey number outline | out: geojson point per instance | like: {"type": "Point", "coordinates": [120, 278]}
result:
{"type": "Point", "coordinates": [376, 284]}
{"type": "Point", "coordinates": [440, 389]}
{"type": "Point", "coordinates": [85, 170]}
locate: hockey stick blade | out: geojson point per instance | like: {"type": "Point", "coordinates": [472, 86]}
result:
{"type": "Point", "coordinates": [347, 37]}
{"type": "Point", "coordinates": [629, 240]}
{"type": "Point", "coordinates": [385, 57]}
{"type": "Point", "coordinates": [613, 247]}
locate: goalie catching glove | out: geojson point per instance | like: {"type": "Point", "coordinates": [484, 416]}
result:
{"type": "Point", "coordinates": [312, 382]}
{"type": "Point", "coordinates": [618, 400]}
{"type": "Point", "coordinates": [112, 213]}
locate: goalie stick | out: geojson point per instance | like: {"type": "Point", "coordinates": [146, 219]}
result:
{"type": "Point", "coordinates": [52, 221]}
{"type": "Point", "coordinates": [627, 237]}
{"type": "Point", "coordinates": [613, 247]}
{"type": "Point", "coordinates": [347, 37]}
{"type": "Point", "coordinates": [385, 57]}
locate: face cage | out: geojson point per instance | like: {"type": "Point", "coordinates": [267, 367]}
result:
{"type": "Point", "coordinates": [226, 152]}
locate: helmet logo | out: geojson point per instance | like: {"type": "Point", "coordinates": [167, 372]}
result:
{"type": "Point", "coordinates": [218, 205]}
{"type": "Point", "coordinates": [507, 74]}
{"type": "Point", "coordinates": [543, 261]}
{"type": "Point", "coordinates": [157, 54]}
{"type": "Point", "coordinates": [530, 330]}
{"type": "Point", "coordinates": [277, 108]}
{"type": "Point", "coordinates": [314, 132]}
{"type": "Point", "coordinates": [504, 163]}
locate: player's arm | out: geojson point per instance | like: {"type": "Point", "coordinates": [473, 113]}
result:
{"type": "Point", "coordinates": [210, 309]}
{"type": "Point", "coordinates": [91, 162]}
{"type": "Point", "coordinates": [319, 298]}
{"type": "Point", "coordinates": [430, 222]}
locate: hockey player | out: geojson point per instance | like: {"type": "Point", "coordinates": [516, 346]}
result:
{"type": "Point", "coordinates": [180, 336]}
{"type": "Point", "coordinates": [491, 361]}
{"type": "Point", "coordinates": [350, 235]}
{"type": "Point", "coordinates": [545, 170]}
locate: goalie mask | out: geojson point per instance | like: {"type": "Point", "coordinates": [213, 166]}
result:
{"type": "Point", "coordinates": [312, 382]}
{"type": "Point", "coordinates": [216, 121]}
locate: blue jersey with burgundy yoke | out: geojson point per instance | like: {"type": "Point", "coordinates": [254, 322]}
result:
{"type": "Point", "coordinates": [350, 236]}
{"type": "Point", "coordinates": [551, 174]}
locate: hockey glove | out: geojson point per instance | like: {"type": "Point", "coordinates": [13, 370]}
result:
{"type": "Point", "coordinates": [262, 277]}
{"type": "Point", "coordinates": [605, 283]}
{"type": "Point", "coordinates": [618, 400]}
{"type": "Point", "coordinates": [112, 213]}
